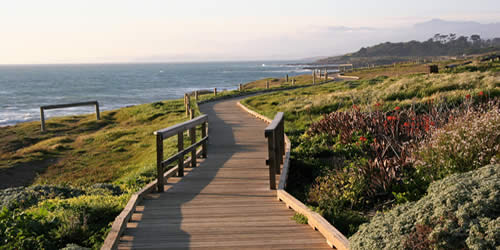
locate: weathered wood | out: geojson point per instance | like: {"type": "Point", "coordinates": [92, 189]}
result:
{"type": "Point", "coordinates": [193, 142]}
{"type": "Point", "coordinates": [180, 148]}
{"type": "Point", "coordinates": [196, 95]}
{"type": "Point", "coordinates": [286, 77]}
{"type": "Point", "coordinates": [225, 202]}
{"type": "Point", "coordinates": [159, 162]}
{"type": "Point", "coordinates": [240, 87]}
{"type": "Point", "coordinates": [173, 130]}
{"type": "Point", "coordinates": [275, 123]}
{"type": "Point", "coordinates": [97, 112]}
{"type": "Point", "coordinates": [215, 91]}
{"type": "Point", "coordinates": [42, 119]}
{"type": "Point", "coordinates": [271, 162]}
{"type": "Point", "coordinates": [267, 84]}
{"type": "Point", "coordinates": [333, 236]}
{"type": "Point", "coordinates": [204, 134]}
{"type": "Point", "coordinates": [67, 105]}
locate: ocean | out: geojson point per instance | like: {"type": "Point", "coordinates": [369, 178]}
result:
{"type": "Point", "coordinates": [24, 88]}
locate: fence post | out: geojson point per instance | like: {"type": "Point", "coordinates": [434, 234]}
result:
{"type": "Point", "coordinates": [193, 141]}
{"type": "Point", "coordinates": [271, 162]}
{"type": "Point", "coordinates": [286, 77]}
{"type": "Point", "coordinates": [293, 81]}
{"type": "Point", "coordinates": [196, 95]}
{"type": "Point", "coordinates": [326, 75]}
{"type": "Point", "coordinates": [186, 107]}
{"type": "Point", "coordinates": [203, 135]}
{"type": "Point", "coordinates": [215, 91]}
{"type": "Point", "coordinates": [314, 77]}
{"type": "Point", "coordinates": [240, 87]}
{"type": "Point", "coordinates": [159, 162]}
{"type": "Point", "coordinates": [97, 114]}
{"type": "Point", "coordinates": [42, 119]}
{"type": "Point", "coordinates": [180, 147]}
{"type": "Point", "coordinates": [267, 84]}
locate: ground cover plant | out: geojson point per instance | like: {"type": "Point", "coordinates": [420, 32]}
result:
{"type": "Point", "coordinates": [364, 146]}
{"type": "Point", "coordinates": [459, 212]}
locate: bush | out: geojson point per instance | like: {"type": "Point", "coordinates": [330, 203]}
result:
{"type": "Point", "coordinates": [464, 144]}
{"type": "Point", "coordinates": [459, 212]}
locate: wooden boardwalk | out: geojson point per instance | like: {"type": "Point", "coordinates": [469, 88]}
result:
{"type": "Point", "coordinates": [225, 203]}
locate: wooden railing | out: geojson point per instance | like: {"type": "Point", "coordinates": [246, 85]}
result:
{"type": "Point", "coordinates": [178, 130]}
{"type": "Point", "coordinates": [333, 237]}
{"type": "Point", "coordinates": [67, 105]}
{"type": "Point", "coordinates": [275, 134]}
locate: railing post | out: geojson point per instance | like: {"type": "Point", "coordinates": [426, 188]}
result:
{"type": "Point", "coordinates": [180, 147]}
{"type": "Point", "coordinates": [192, 132]}
{"type": "Point", "coordinates": [272, 159]}
{"type": "Point", "coordinates": [277, 151]}
{"type": "Point", "coordinates": [159, 162]}
{"type": "Point", "coordinates": [196, 95]}
{"type": "Point", "coordinates": [42, 119]}
{"type": "Point", "coordinates": [203, 135]}
{"type": "Point", "coordinates": [97, 114]}
{"type": "Point", "coordinates": [186, 98]}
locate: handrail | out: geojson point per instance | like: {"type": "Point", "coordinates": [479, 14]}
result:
{"type": "Point", "coordinates": [333, 237]}
{"type": "Point", "coordinates": [275, 134]}
{"type": "Point", "coordinates": [67, 105]}
{"type": "Point", "coordinates": [178, 130]}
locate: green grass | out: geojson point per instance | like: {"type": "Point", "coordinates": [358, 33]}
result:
{"type": "Point", "coordinates": [306, 105]}
{"type": "Point", "coordinates": [119, 149]}
{"type": "Point", "coordinates": [300, 218]}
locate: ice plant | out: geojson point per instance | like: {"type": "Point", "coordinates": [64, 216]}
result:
{"type": "Point", "coordinates": [363, 139]}
{"type": "Point", "coordinates": [397, 108]}
{"type": "Point", "coordinates": [481, 93]}
{"type": "Point", "coordinates": [467, 96]}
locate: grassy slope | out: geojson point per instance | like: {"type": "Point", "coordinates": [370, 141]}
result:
{"type": "Point", "coordinates": [118, 148]}
{"type": "Point", "coordinates": [302, 106]}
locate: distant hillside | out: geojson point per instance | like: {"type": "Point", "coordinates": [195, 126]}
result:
{"type": "Point", "coordinates": [437, 46]}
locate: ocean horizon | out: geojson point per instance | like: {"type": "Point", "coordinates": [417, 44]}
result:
{"type": "Point", "coordinates": [24, 88]}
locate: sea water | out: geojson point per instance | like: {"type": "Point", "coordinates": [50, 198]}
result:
{"type": "Point", "coordinates": [24, 88]}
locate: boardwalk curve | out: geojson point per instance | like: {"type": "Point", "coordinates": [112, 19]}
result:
{"type": "Point", "coordinates": [225, 203]}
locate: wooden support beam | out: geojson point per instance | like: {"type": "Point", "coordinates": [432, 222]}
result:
{"type": "Point", "coordinates": [42, 119]}
{"type": "Point", "coordinates": [192, 132]}
{"type": "Point", "coordinates": [204, 131]}
{"type": "Point", "coordinates": [180, 148]}
{"type": "Point", "coordinates": [159, 163]}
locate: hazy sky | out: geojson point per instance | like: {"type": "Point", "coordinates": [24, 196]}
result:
{"type": "Point", "coordinates": [64, 31]}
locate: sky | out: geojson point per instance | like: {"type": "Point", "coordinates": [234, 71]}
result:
{"type": "Point", "coordinates": [92, 31]}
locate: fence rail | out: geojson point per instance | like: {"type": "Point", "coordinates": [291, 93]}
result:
{"type": "Point", "coordinates": [67, 105]}
{"type": "Point", "coordinates": [179, 130]}
{"type": "Point", "coordinates": [275, 134]}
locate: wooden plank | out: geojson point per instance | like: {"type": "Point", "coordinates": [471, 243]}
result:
{"type": "Point", "coordinates": [69, 105]}
{"type": "Point", "coordinates": [334, 237]}
{"type": "Point", "coordinates": [173, 130]}
{"type": "Point", "coordinates": [275, 123]}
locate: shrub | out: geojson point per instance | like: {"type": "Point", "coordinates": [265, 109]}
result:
{"type": "Point", "coordinates": [460, 211]}
{"type": "Point", "coordinates": [468, 142]}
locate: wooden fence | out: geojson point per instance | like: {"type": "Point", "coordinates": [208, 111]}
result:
{"type": "Point", "coordinates": [67, 105]}
{"type": "Point", "coordinates": [179, 130]}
